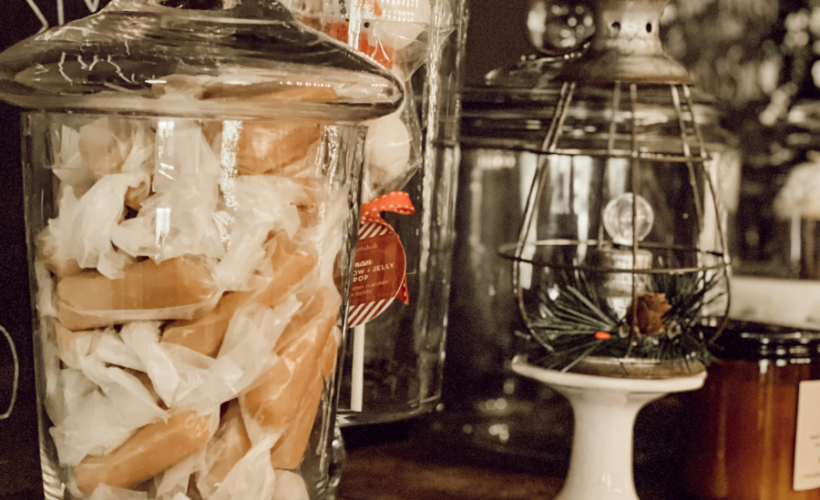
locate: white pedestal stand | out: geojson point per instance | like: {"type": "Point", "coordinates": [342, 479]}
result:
{"type": "Point", "coordinates": [605, 410]}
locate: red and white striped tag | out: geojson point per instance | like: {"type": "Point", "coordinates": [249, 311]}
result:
{"type": "Point", "coordinates": [379, 274]}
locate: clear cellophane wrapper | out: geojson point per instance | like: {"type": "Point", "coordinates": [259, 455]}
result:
{"type": "Point", "coordinates": [187, 303]}
{"type": "Point", "coordinates": [396, 34]}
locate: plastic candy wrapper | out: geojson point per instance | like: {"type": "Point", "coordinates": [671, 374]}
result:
{"type": "Point", "coordinates": [396, 34]}
{"type": "Point", "coordinates": [187, 302]}
{"type": "Point", "coordinates": [393, 151]}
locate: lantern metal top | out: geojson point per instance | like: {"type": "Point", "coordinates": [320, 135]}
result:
{"type": "Point", "coordinates": [626, 47]}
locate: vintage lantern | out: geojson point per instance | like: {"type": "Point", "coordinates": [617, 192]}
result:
{"type": "Point", "coordinates": [620, 269]}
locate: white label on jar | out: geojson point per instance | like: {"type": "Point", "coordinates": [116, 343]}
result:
{"type": "Point", "coordinates": [807, 438]}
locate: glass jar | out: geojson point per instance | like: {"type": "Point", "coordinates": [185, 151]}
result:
{"type": "Point", "coordinates": [395, 359]}
{"type": "Point", "coordinates": [754, 426]}
{"type": "Point", "coordinates": [191, 176]}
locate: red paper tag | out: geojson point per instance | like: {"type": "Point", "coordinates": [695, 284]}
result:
{"type": "Point", "coordinates": [379, 273]}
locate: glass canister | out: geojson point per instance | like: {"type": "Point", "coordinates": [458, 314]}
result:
{"type": "Point", "coordinates": [398, 311]}
{"type": "Point", "coordinates": [755, 425]}
{"type": "Point", "coordinates": [192, 182]}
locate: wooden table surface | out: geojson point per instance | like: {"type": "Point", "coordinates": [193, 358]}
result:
{"type": "Point", "coordinates": [413, 460]}
{"type": "Point", "coordinates": [413, 464]}
{"type": "Point", "coordinates": [399, 471]}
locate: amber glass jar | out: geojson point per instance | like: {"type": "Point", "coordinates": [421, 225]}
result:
{"type": "Point", "coordinates": [745, 419]}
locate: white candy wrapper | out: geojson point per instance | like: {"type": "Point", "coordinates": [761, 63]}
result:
{"type": "Point", "coordinates": [253, 477]}
{"type": "Point", "coordinates": [70, 388]}
{"type": "Point", "coordinates": [73, 345]}
{"type": "Point", "coordinates": [106, 345]}
{"type": "Point", "coordinates": [98, 421]}
{"type": "Point", "coordinates": [70, 170]}
{"type": "Point", "coordinates": [178, 219]}
{"type": "Point", "coordinates": [188, 380]}
{"type": "Point", "coordinates": [290, 486]}
{"type": "Point", "coordinates": [105, 492]}
{"type": "Point", "coordinates": [83, 230]}
{"type": "Point", "coordinates": [118, 316]}
{"type": "Point", "coordinates": [269, 205]}
{"type": "Point", "coordinates": [247, 253]}
{"type": "Point", "coordinates": [111, 349]}
{"type": "Point", "coordinates": [104, 144]}
{"type": "Point", "coordinates": [174, 481]}
{"type": "Point", "coordinates": [45, 292]}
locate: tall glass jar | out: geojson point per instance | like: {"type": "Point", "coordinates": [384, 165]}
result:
{"type": "Point", "coordinates": [395, 352]}
{"type": "Point", "coordinates": [192, 182]}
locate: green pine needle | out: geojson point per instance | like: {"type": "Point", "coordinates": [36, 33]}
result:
{"type": "Point", "coordinates": [570, 322]}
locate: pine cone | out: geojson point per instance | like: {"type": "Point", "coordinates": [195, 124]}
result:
{"type": "Point", "coordinates": [649, 316]}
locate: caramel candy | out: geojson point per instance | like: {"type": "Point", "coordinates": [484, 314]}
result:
{"type": "Point", "coordinates": [136, 195]}
{"type": "Point", "coordinates": [322, 307]}
{"type": "Point", "coordinates": [151, 450]}
{"type": "Point", "coordinates": [145, 380]}
{"type": "Point", "coordinates": [204, 335]}
{"type": "Point", "coordinates": [276, 400]}
{"type": "Point", "coordinates": [46, 251]}
{"type": "Point", "coordinates": [90, 300]}
{"type": "Point", "coordinates": [265, 147]}
{"type": "Point", "coordinates": [327, 361]}
{"type": "Point", "coordinates": [101, 150]}
{"type": "Point", "coordinates": [69, 344]}
{"type": "Point", "coordinates": [289, 450]}
{"type": "Point", "coordinates": [229, 445]}
{"type": "Point", "coordinates": [270, 92]}
{"type": "Point", "coordinates": [289, 265]}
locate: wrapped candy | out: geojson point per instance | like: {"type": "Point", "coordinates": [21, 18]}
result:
{"type": "Point", "coordinates": [392, 32]}
{"type": "Point", "coordinates": [149, 451]}
{"type": "Point", "coordinates": [217, 292]}
{"type": "Point", "coordinates": [396, 34]}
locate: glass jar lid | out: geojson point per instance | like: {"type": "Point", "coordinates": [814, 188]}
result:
{"type": "Point", "coordinates": [239, 58]}
{"type": "Point", "coordinates": [515, 106]}
{"type": "Point", "coordinates": [744, 340]}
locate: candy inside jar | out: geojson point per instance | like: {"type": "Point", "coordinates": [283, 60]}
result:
{"type": "Point", "coordinates": [190, 310]}
{"type": "Point", "coordinates": [187, 300]}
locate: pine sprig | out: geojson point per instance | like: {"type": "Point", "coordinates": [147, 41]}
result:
{"type": "Point", "coordinates": [579, 322]}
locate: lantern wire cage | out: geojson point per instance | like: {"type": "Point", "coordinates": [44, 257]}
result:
{"type": "Point", "coordinates": [611, 294]}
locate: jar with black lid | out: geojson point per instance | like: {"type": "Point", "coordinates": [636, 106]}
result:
{"type": "Point", "coordinates": [755, 428]}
